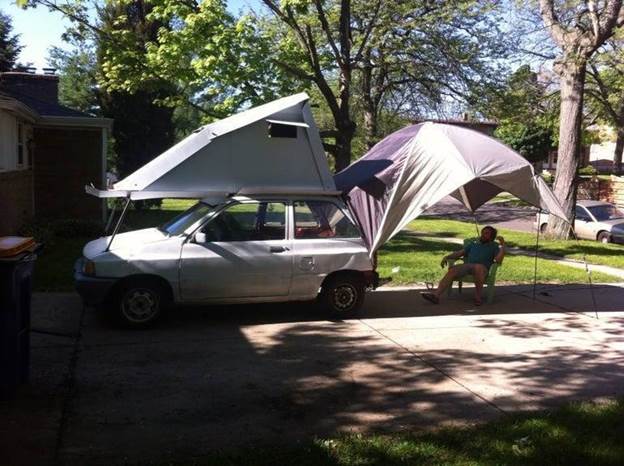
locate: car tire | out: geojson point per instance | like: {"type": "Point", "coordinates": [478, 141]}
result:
{"type": "Point", "coordinates": [342, 295]}
{"type": "Point", "coordinates": [604, 237]}
{"type": "Point", "coordinates": [543, 228]}
{"type": "Point", "coordinates": [139, 303]}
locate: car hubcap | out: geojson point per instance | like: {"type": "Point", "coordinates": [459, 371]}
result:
{"type": "Point", "coordinates": [345, 296]}
{"type": "Point", "coordinates": [140, 305]}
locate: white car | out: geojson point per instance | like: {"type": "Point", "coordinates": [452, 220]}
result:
{"type": "Point", "coordinates": [595, 220]}
{"type": "Point", "coordinates": [245, 250]}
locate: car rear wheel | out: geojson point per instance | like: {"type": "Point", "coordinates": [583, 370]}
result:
{"type": "Point", "coordinates": [543, 227]}
{"type": "Point", "coordinates": [604, 237]}
{"type": "Point", "coordinates": [342, 295]}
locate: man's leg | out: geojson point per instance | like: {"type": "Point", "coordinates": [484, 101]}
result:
{"type": "Point", "coordinates": [479, 272]}
{"type": "Point", "coordinates": [448, 278]}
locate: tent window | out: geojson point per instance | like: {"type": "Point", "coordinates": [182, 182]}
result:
{"type": "Point", "coordinates": [277, 130]}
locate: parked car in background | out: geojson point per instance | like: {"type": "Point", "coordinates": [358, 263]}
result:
{"type": "Point", "coordinates": [595, 220]}
{"type": "Point", "coordinates": [240, 250]}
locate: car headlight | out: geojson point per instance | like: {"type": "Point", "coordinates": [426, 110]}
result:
{"type": "Point", "coordinates": [88, 267]}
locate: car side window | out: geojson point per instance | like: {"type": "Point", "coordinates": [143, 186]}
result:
{"type": "Point", "coordinates": [322, 219]}
{"type": "Point", "coordinates": [580, 214]}
{"type": "Point", "coordinates": [253, 221]}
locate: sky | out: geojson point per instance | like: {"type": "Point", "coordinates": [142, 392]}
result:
{"type": "Point", "coordinates": [41, 29]}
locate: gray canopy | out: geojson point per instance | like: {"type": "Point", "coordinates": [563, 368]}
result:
{"type": "Point", "coordinates": [415, 167]}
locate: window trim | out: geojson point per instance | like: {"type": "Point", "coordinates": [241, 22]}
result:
{"type": "Point", "coordinates": [229, 205]}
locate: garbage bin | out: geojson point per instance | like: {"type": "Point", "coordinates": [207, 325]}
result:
{"type": "Point", "coordinates": [17, 259]}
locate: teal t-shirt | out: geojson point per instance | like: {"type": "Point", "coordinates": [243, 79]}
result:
{"type": "Point", "coordinates": [481, 253]}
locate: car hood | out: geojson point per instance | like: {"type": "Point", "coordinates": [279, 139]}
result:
{"type": "Point", "coordinates": [128, 240]}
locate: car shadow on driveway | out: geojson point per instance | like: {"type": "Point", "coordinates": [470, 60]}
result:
{"type": "Point", "coordinates": [223, 377]}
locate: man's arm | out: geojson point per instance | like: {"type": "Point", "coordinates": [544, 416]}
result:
{"type": "Point", "coordinates": [501, 250]}
{"type": "Point", "coordinates": [453, 255]}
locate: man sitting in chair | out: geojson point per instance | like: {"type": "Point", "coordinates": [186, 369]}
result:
{"type": "Point", "coordinates": [478, 258]}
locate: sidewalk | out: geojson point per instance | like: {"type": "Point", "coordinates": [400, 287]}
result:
{"type": "Point", "coordinates": [227, 377]}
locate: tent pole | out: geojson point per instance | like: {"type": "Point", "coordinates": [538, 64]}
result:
{"type": "Point", "coordinates": [539, 213]}
{"type": "Point", "coordinates": [588, 271]}
{"type": "Point", "coordinates": [121, 217]}
{"type": "Point", "coordinates": [474, 217]}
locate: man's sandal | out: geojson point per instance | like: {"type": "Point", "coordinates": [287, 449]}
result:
{"type": "Point", "coordinates": [430, 297]}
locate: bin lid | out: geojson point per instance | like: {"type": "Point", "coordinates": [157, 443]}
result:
{"type": "Point", "coordinates": [14, 245]}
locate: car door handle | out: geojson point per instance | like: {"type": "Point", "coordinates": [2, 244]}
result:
{"type": "Point", "coordinates": [277, 249]}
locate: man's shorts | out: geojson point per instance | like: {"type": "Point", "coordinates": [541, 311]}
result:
{"type": "Point", "coordinates": [465, 269]}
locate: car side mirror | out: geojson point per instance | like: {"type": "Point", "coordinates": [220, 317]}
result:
{"type": "Point", "coordinates": [200, 237]}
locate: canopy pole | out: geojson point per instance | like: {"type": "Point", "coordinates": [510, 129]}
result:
{"type": "Point", "coordinates": [121, 217]}
{"type": "Point", "coordinates": [587, 270]}
{"type": "Point", "coordinates": [539, 213]}
{"type": "Point", "coordinates": [474, 217]}
{"type": "Point", "coordinates": [110, 218]}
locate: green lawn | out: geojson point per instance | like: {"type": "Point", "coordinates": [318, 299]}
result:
{"type": "Point", "coordinates": [417, 258]}
{"type": "Point", "coordinates": [597, 253]}
{"type": "Point", "coordinates": [578, 434]}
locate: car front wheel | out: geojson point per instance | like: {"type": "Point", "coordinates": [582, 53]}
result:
{"type": "Point", "coordinates": [139, 304]}
{"type": "Point", "coordinates": [342, 295]}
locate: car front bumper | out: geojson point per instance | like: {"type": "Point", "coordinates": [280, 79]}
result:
{"type": "Point", "coordinates": [92, 290]}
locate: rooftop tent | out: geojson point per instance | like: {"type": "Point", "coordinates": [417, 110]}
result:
{"type": "Point", "coordinates": [415, 167]}
{"type": "Point", "coordinates": [272, 148]}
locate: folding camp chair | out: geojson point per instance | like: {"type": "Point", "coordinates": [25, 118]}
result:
{"type": "Point", "coordinates": [490, 280]}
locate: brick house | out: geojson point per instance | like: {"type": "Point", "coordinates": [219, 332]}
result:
{"type": "Point", "coordinates": [48, 152]}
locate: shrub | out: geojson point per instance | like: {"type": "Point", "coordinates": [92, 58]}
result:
{"type": "Point", "coordinates": [588, 171]}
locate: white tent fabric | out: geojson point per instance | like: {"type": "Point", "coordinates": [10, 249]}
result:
{"type": "Point", "coordinates": [237, 153]}
{"type": "Point", "coordinates": [414, 168]}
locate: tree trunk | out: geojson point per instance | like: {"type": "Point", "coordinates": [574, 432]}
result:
{"type": "Point", "coordinates": [370, 109]}
{"type": "Point", "coordinates": [617, 154]}
{"type": "Point", "coordinates": [346, 131]}
{"type": "Point", "coordinates": [572, 72]}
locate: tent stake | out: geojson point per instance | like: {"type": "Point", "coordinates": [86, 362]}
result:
{"type": "Point", "coordinates": [121, 217]}
{"type": "Point", "coordinates": [539, 213]}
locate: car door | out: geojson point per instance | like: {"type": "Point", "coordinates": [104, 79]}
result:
{"type": "Point", "coordinates": [240, 253]}
{"type": "Point", "coordinates": [325, 240]}
{"type": "Point", "coordinates": [583, 223]}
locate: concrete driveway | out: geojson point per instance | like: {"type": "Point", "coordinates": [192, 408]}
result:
{"type": "Point", "coordinates": [247, 375]}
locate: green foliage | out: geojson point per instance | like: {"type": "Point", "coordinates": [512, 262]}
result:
{"type": "Point", "coordinates": [77, 68]}
{"type": "Point", "coordinates": [527, 112]}
{"type": "Point", "coordinates": [10, 47]}
{"type": "Point", "coordinates": [589, 170]}
{"type": "Point", "coordinates": [143, 126]}
{"type": "Point", "coordinates": [528, 139]}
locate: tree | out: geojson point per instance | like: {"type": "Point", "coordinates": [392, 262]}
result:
{"type": "Point", "coordinates": [77, 70]}
{"type": "Point", "coordinates": [10, 47]}
{"type": "Point", "coordinates": [526, 110]}
{"type": "Point", "coordinates": [412, 52]}
{"type": "Point", "coordinates": [606, 93]}
{"type": "Point", "coordinates": [578, 29]}
{"type": "Point", "coordinates": [143, 126]}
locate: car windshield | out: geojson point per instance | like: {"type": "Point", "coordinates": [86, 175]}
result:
{"type": "Point", "coordinates": [606, 212]}
{"type": "Point", "coordinates": [178, 224]}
